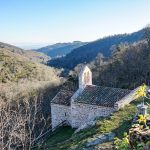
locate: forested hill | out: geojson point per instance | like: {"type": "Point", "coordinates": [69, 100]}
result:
{"type": "Point", "coordinates": [60, 49]}
{"type": "Point", "coordinates": [128, 67]}
{"type": "Point", "coordinates": [89, 51]}
{"type": "Point", "coordinates": [16, 66]}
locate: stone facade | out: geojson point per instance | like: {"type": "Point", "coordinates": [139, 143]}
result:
{"type": "Point", "coordinates": [82, 113]}
{"type": "Point", "coordinates": [78, 114]}
{"type": "Point", "coordinates": [60, 113]}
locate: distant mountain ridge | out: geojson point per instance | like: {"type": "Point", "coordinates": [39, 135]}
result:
{"type": "Point", "coordinates": [86, 53]}
{"type": "Point", "coordinates": [60, 49]}
{"type": "Point", "coordinates": [29, 54]}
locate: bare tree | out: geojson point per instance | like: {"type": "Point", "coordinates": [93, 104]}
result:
{"type": "Point", "coordinates": [21, 123]}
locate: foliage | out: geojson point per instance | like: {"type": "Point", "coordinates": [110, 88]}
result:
{"type": "Point", "coordinates": [122, 144]}
{"type": "Point", "coordinates": [127, 68]}
{"type": "Point", "coordinates": [143, 118]}
{"type": "Point", "coordinates": [141, 92]}
{"type": "Point", "coordinates": [88, 52]}
{"type": "Point", "coordinates": [26, 89]}
{"type": "Point", "coordinates": [14, 68]}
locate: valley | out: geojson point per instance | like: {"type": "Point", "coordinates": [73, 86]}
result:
{"type": "Point", "coordinates": [29, 80]}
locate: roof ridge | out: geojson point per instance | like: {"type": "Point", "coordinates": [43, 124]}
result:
{"type": "Point", "coordinates": [65, 90]}
{"type": "Point", "coordinates": [108, 87]}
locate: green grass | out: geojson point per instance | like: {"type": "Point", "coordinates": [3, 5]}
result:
{"type": "Point", "coordinates": [118, 123]}
{"type": "Point", "coordinates": [60, 135]}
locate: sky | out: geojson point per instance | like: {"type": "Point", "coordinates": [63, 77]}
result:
{"type": "Point", "coordinates": [39, 22]}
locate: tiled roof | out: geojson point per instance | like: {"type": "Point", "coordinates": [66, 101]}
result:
{"type": "Point", "coordinates": [99, 95]}
{"type": "Point", "coordinates": [63, 97]}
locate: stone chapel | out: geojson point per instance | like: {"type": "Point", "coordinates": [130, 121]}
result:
{"type": "Point", "coordinates": [88, 102]}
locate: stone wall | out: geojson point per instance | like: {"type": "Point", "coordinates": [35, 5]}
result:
{"type": "Point", "coordinates": [60, 113]}
{"type": "Point", "coordinates": [140, 136]}
{"type": "Point", "coordinates": [126, 100]}
{"type": "Point", "coordinates": [82, 113]}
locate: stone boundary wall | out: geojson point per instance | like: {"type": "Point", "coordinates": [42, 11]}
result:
{"type": "Point", "coordinates": [60, 113]}
{"type": "Point", "coordinates": [83, 113]}
{"type": "Point", "coordinates": [126, 100]}
{"type": "Point", "coordinates": [142, 136]}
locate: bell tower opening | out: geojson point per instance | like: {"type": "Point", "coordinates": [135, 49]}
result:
{"type": "Point", "coordinates": [85, 77]}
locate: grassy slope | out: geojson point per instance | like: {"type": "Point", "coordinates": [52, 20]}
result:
{"type": "Point", "coordinates": [62, 134]}
{"type": "Point", "coordinates": [118, 123]}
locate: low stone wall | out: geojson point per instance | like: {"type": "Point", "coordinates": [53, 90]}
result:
{"type": "Point", "coordinates": [99, 139]}
{"type": "Point", "coordinates": [141, 136]}
{"type": "Point", "coordinates": [82, 113]}
{"type": "Point", "coordinates": [126, 100]}
{"type": "Point", "coordinates": [60, 113]}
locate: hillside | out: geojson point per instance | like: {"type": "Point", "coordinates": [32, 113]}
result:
{"type": "Point", "coordinates": [31, 55]}
{"type": "Point", "coordinates": [36, 56]}
{"type": "Point", "coordinates": [128, 67]}
{"type": "Point", "coordinates": [15, 67]}
{"type": "Point", "coordinates": [88, 52]}
{"type": "Point", "coordinates": [60, 49]}
{"type": "Point", "coordinates": [18, 74]}
{"type": "Point", "coordinates": [26, 88]}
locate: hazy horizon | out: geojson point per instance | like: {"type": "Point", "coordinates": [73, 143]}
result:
{"type": "Point", "coordinates": [30, 23]}
{"type": "Point", "coordinates": [28, 46]}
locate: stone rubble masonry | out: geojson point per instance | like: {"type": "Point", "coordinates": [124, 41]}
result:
{"type": "Point", "coordinates": [83, 113]}
{"type": "Point", "coordinates": [99, 139]}
{"type": "Point", "coordinates": [78, 114]}
{"type": "Point", "coordinates": [140, 135]}
{"type": "Point", "coordinates": [60, 113]}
